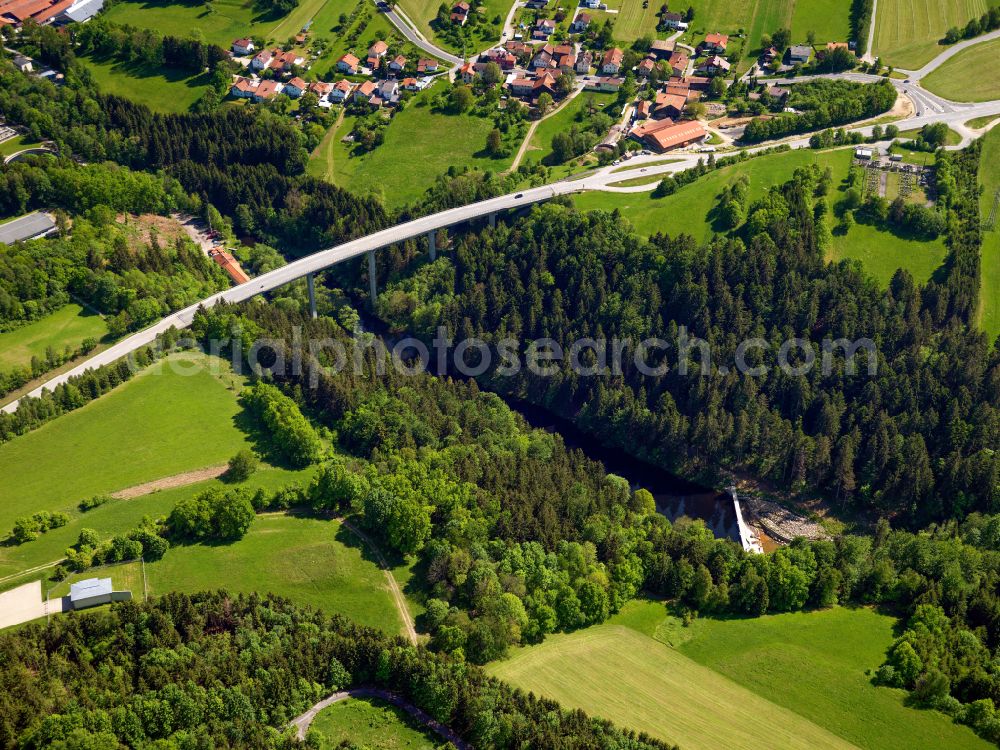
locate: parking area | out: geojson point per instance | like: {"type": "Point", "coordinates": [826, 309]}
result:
{"type": "Point", "coordinates": [22, 604]}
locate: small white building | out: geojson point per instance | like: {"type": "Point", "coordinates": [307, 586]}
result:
{"type": "Point", "coordinates": [90, 592]}
{"type": "Point", "coordinates": [863, 153]}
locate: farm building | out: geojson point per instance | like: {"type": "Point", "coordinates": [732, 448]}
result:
{"type": "Point", "coordinates": [95, 591]}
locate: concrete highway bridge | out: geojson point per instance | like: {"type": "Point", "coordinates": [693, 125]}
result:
{"type": "Point", "coordinates": [311, 264]}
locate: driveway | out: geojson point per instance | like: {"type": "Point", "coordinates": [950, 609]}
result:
{"type": "Point", "coordinates": [25, 604]}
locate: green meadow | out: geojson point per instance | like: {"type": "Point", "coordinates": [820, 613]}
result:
{"type": "Point", "coordinates": [973, 75]}
{"type": "Point", "coordinates": [908, 32]}
{"type": "Point", "coordinates": [158, 424]}
{"type": "Point", "coordinates": [989, 177]}
{"type": "Point", "coordinates": [420, 144]}
{"type": "Point", "coordinates": [162, 89]}
{"type": "Point", "coordinates": [314, 562]}
{"type": "Point", "coordinates": [691, 210]}
{"type": "Point", "coordinates": [562, 120]}
{"type": "Point", "coordinates": [370, 722]}
{"type": "Point", "coordinates": [68, 326]}
{"type": "Point", "coordinates": [785, 681]}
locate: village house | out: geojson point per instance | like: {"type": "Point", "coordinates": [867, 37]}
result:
{"type": "Point", "coordinates": [243, 88]}
{"type": "Point", "coordinates": [243, 47]}
{"type": "Point", "coordinates": [277, 60]}
{"type": "Point", "coordinates": [715, 65]}
{"type": "Point", "coordinates": [668, 105]}
{"type": "Point", "coordinates": [544, 84]}
{"type": "Point", "coordinates": [546, 27]}
{"type": "Point", "coordinates": [666, 135]}
{"type": "Point", "coordinates": [544, 59]}
{"type": "Point", "coordinates": [612, 62]}
{"type": "Point", "coordinates": [583, 62]}
{"type": "Point", "coordinates": [364, 91]}
{"type": "Point", "coordinates": [295, 88]}
{"type": "Point", "coordinates": [567, 63]}
{"type": "Point", "coordinates": [427, 65]}
{"type": "Point", "coordinates": [521, 87]}
{"type": "Point", "coordinates": [460, 13]}
{"type": "Point", "coordinates": [388, 91]}
{"type": "Point", "coordinates": [714, 44]}
{"type": "Point", "coordinates": [697, 83]}
{"type": "Point", "coordinates": [229, 264]}
{"type": "Point", "coordinates": [266, 90]}
{"type": "Point", "coordinates": [23, 64]}
{"type": "Point", "coordinates": [398, 64]}
{"type": "Point", "coordinates": [518, 49]}
{"type": "Point", "coordinates": [348, 64]}
{"type": "Point", "coordinates": [341, 90]}
{"type": "Point", "coordinates": [678, 63]}
{"type": "Point", "coordinates": [645, 67]}
{"type": "Point", "coordinates": [769, 55]}
{"type": "Point", "coordinates": [505, 60]}
{"type": "Point", "coordinates": [643, 109]}
{"type": "Point", "coordinates": [410, 84]}
{"type": "Point", "coordinates": [609, 84]}
{"type": "Point", "coordinates": [799, 54]}
{"type": "Point", "coordinates": [467, 72]}
{"type": "Point", "coordinates": [673, 21]}
{"type": "Point", "coordinates": [678, 87]}
{"type": "Point", "coordinates": [592, 4]}
{"type": "Point", "coordinates": [261, 60]}
{"type": "Point", "coordinates": [661, 49]}
{"type": "Point", "coordinates": [378, 49]}
{"type": "Point", "coordinates": [580, 24]}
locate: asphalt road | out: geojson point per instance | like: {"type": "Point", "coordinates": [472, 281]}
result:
{"type": "Point", "coordinates": [25, 228]}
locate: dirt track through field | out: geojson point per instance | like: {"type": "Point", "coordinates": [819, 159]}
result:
{"type": "Point", "coordinates": [168, 483]}
{"type": "Point", "coordinates": [397, 593]}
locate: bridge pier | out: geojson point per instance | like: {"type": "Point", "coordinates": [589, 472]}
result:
{"type": "Point", "coordinates": [311, 284]}
{"type": "Point", "coordinates": [372, 280]}
{"type": "Point", "coordinates": [493, 220]}
{"type": "Point", "coordinates": [432, 244]}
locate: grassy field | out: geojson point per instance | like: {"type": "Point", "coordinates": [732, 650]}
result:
{"type": "Point", "coordinates": [989, 176]}
{"type": "Point", "coordinates": [973, 75]}
{"type": "Point", "coordinates": [167, 90]}
{"type": "Point", "coordinates": [120, 516]}
{"type": "Point", "coordinates": [814, 664]}
{"type": "Point", "coordinates": [158, 424]}
{"type": "Point", "coordinates": [15, 144]}
{"type": "Point", "coordinates": [68, 326]}
{"type": "Point", "coordinates": [422, 12]}
{"type": "Point", "coordinates": [223, 21]}
{"type": "Point", "coordinates": [691, 210]}
{"type": "Point", "coordinates": [829, 20]}
{"type": "Point", "coordinates": [125, 576]}
{"type": "Point", "coordinates": [619, 674]}
{"type": "Point", "coordinates": [370, 722]}
{"type": "Point", "coordinates": [563, 119]}
{"type": "Point", "coordinates": [311, 561]}
{"type": "Point", "coordinates": [908, 32]}
{"type": "Point", "coordinates": [778, 681]}
{"type": "Point", "coordinates": [420, 144]}
{"type": "Point", "coordinates": [633, 21]}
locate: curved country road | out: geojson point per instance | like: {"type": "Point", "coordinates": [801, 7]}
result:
{"type": "Point", "coordinates": [302, 722]}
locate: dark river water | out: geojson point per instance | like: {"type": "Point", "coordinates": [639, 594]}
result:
{"type": "Point", "coordinates": [674, 495]}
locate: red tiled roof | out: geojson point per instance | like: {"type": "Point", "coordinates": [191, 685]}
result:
{"type": "Point", "coordinates": [349, 59]}
{"type": "Point", "coordinates": [613, 56]}
{"type": "Point", "coordinates": [52, 11]}
{"type": "Point", "coordinates": [675, 135]}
